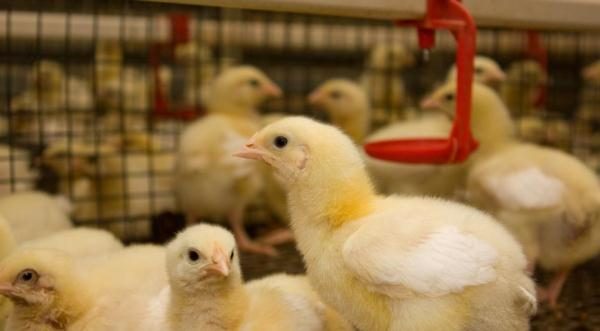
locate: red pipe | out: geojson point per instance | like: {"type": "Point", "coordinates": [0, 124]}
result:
{"type": "Point", "coordinates": [452, 16]}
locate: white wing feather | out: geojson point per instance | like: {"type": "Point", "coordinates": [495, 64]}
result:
{"type": "Point", "coordinates": [446, 261]}
{"type": "Point", "coordinates": [528, 188]}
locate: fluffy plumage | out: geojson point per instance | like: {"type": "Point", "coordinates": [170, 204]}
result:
{"type": "Point", "coordinates": [547, 198]}
{"type": "Point", "coordinates": [203, 263]}
{"type": "Point", "coordinates": [209, 182]}
{"type": "Point", "coordinates": [78, 242]}
{"type": "Point", "coordinates": [35, 214]}
{"type": "Point", "coordinates": [385, 263]}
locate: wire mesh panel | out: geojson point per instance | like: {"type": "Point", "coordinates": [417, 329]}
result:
{"type": "Point", "coordinates": [94, 94]}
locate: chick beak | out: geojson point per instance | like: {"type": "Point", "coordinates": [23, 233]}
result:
{"type": "Point", "coordinates": [7, 290]}
{"type": "Point", "coordinates": [315, 98]}
{"type": "Point", "coordinates": [220, 265]}
{"type": "Point", "coordinates": [496, 76]}
{"type": "Point", "coordinates": [272, 90]}
{"type": "Point", "coordinates": [250, 151]}
{"type": "Point", "coordinates": [431, 103]}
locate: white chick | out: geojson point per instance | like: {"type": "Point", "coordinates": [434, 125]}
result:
{"type": "Point", "coordinates": [35, 214]}
{"type": "Point", "coordinates": [50, 290]}
{"type": "Point", "coordinates": [53, 106]}
{"type": "Point", "coordinates": [386, 263]}
{"type": "Point", "coordinates": [485, 70]}
{"type": "Point", "coordinates": [548, 199]}
{"type": "Point", "coordinates": [383, 83]}
{"type": "Point", "coordinates": [15, 166]}
{"type": "Point", "coordinates": [206, 291]}
{"type": "Point", "coordinates": [209, 182]}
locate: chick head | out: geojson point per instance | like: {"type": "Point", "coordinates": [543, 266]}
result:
{"type": "Point", "coordinates": [37, 277]}
{"type": "Point", "coordinates": [489, 117]}
{"type": "Point", "coordinates": [526, 73]}
{"type": "Point", "coordinates": [485, 71]}
{"type": "Point", "coordinates": [47, 75]}
{"type": "Point", "coordinates": [340, 98]}
{"type": "Point", "coordinates": [296, 147]}
{"type": "Point", "coordinates": [390, 56]}
{"type": "Point", "coordinates": [201, 256]}
{"type": "Point", "coordinates": [242, 86]}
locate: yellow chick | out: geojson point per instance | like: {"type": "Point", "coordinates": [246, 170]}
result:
{"type": "Point", "coordinates": [35, 214]}
{"type": "Point", "coordinates": [50, 290]}
{"type": "Point", "coordinates": [206, 291]}
{"type": "Point", "coordinates": [485, 71]}
{"type": "Point", "coordinates": [209, 182]}
{"type": "Point", "coordinates": [383, 83]}
{"type": "Point", "coordinates": [78, 242]}
{"type": "Point", "coordinates": [547, 198]}
{"type": "Point", "coordinates": [386, 262]}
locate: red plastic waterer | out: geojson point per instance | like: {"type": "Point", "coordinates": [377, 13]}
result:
{"type": "Point", "coordinates": [452, 16]}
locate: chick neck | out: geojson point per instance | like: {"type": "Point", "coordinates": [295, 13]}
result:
{"type": "Point", "coordinates": [331, 193]}
{"type": "Point", "coordinates": [218, 306]}
{"type": "Point", "coordinates": [224, 104]}
{"type": "Point", "coordinates": [492, 125]}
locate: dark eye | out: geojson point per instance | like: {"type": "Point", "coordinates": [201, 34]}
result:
{"type": "Point", "coordinates": [478, 70]}
{"type": "Point", "coordinates": [280, 141]}
{"type": "Point", "coordinates": [254, 82]}
{"type": "Point", "coordinates": [231, 255]}
{"type": "Point", "coordinates": [193, 255]}
{"type": "Point", "coordinates": [449, 97]}
{"type": "Point", "coordinates": [27, 276]}
{"type": "Point", "coordinates": [335, 94]}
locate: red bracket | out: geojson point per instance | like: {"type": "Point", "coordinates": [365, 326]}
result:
{"type": "Point", "coordinates": [450, 15]}
{"type": "Point", "coordinates": [180, 33]}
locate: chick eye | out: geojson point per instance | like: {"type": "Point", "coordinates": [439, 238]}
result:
{"type": "Point", "coordinates": [280, 141]}
{"type": "Point", "coordinates": [193, 256]}
{"type": "Point", "coordinates": [335, 94]}
{"type": "Point", "coordinates": [231, 255]}
{"type": "Point", "coordinates": [27, 276]}
{"type": "Point", "coordinates": [449, 97]}
{"type": "Point", "coordinates": [478, 70]}
{"type": "Point", "coordinates": [254, 82]}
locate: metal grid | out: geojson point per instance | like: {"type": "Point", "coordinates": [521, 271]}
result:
{"type": "Point", "coordinates": [78, 90]}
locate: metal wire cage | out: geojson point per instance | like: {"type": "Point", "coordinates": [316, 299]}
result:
{"type": "Point", "coordinates": [93, 95]}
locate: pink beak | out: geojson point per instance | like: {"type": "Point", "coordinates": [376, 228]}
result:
{"type": "Point", "coordinates": [272, 90]}
{"type": "Point", "coordinates": [315, 97]}
{"type": "Point", "coordinates": [221, 265]}
{"type": "Point", "coordinates": [249, 151]}
{"type": "Point", "coordinates": [6, 289]}
{"type": "Point", "coordinates": [497, 76]}
{"type": "Point", "coordinates": [430, 103]}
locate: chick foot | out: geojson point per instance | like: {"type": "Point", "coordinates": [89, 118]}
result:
{"type": "Point", "coordinates": [552, 292]}
{"type": "Point", "coordinates": [277, 237]}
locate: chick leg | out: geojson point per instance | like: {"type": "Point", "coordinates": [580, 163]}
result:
{"type": "Point", "coordinates": [552, 292]}
{"type": "Point", "coordinates": [277, 237]}
{"type": "Point", "coordinates": [236, 219]}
